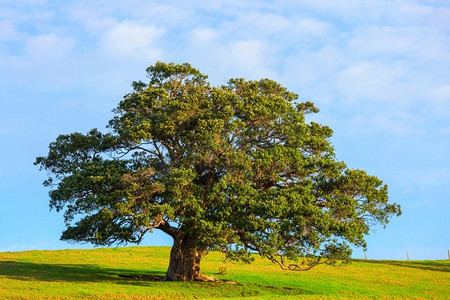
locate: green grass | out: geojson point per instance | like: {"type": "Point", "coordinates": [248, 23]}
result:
{"type": "Point", "coordinates": [94, 274]}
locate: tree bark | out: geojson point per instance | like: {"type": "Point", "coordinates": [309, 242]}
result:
{"type": "Point", "coordinates": [184, 264]}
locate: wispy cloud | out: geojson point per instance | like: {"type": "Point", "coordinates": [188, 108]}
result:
{"type": "Point", "coordinates": [48, 47]}
{"type": "Point", "coordinates": [131, 40]}
{"type": "Point", "coordinates": [424, 178]}
{"type": "Point", "coordinates": [378, 70]}
{"type": "Point", "coordinates": [441, 99]}
{"type": "Point", "coordinates": [7, 31]}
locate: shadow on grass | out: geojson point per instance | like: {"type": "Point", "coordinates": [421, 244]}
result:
{"type": "Point", "coordinates": [28, 271]}
{"type": "Point", "coordinates": [436, 266]}
{"type": "Point", "coordinates": [84, 273]}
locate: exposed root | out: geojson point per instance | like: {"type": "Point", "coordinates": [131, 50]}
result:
{"type": "Point", "coordinates": [207, 278]}
{"type": "Point", "coordinates": [143, 277]}
{"type": "Point", "coordinates": [201, 278]}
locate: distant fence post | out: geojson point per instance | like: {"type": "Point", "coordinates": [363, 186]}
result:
{"type": "Point", "coordinates": [365, 255]}
{"type": "Point", "coordinates": [407, 255]}
{"type": "Point", "coordinates": [448, 253]}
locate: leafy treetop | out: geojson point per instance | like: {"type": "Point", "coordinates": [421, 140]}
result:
{"type": "Point", "coordinates": [234, 168]}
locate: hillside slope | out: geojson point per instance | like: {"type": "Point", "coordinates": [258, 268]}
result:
{"type": "Point", "coordinates": [108, 274]}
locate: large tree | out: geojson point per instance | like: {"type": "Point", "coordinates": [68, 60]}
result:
{"type": "Point", "coordinates": [234, 168]}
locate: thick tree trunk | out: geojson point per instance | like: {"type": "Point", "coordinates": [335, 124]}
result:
{"type": "Point", "coordinates": [184, 264]}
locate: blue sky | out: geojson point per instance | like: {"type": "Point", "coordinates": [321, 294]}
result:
{"type": "Point", "coordinates": [378, 70]}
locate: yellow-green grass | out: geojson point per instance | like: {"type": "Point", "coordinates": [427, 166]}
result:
{"type": "Point", "coordinates": [94, 274]}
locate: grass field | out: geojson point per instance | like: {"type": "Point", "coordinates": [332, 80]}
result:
{"type": "Point", "coordinates": [94, 274]}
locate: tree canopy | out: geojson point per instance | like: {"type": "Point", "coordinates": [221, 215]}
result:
{"type": "Point", "coordinates": [235, 168]}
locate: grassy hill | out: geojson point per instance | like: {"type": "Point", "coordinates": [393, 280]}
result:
{"type": "Point", "coordinates": [98, 274]}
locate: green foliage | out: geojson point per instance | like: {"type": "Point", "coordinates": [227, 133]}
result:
{"type": "Point", "coordinates": [234, 168]}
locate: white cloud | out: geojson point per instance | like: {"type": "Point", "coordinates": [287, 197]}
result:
{"type": "Point", "coordinates": [49, 47]}
{"type": "Point", "coordinates": [393, 42]}
{"type": "Point", "coordinates": [203, 36]}
{"type": "Point", "coordinates": [181, 15]}
{"type": "Point", "coordinates": [7, 31]}
{"type": "Point", "coordinates": [423, 179]}
{"type": "Point", "coordinates": [251, 24]}
{"type": "Point", "coordinates": [312, 27]}
{"type": "Point", "coordinates": [440, 99]}
{"type": "Point", "coordinates": [288, 31]}
{"type": "Point", "coordinates": [374, 81]}
{"type": "Point", "coordinates": [223, 58]}
{"type": "Point", "coordinates": [379, 70]}
{"type": "Point", "coordinates": [93, 20]}
{"type": "Point", "coordinates": [132, 40]}
{"type": "Point", "coordinates": [391, 122]}
{"type": "Point", "coordinates": [409, 12]}
{"type": "Point", "coordinates": [40, 2]}
{"type": "Point", "coordinates": [443, 92]}
{"type": "Point", "coordinates": [348, 9]}
{"type": "Point", "coordinates": [400, 123]}
{"type": "Point", "coordinates": [376, 41]}
{"type": "Point", "coordinates": [445, 130]}
{"type": "Point", "coordinates": [249, 55]}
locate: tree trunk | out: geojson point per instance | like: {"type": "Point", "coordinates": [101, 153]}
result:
{"type": "Point", "coordinates": [184, 264]}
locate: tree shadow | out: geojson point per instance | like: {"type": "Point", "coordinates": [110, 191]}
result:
{"type": "Point", "coordinates": [436, 266]}
{"type": "Point", "coordinates": [86, 273]}
{"type": "Point", "coordinates": [28, 271]}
